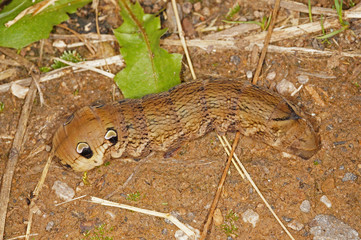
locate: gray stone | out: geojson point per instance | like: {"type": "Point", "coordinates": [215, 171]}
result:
{"type": "Point", "coordinates": [305, 206]}
{"type": "Point", "coordinates": [326, 227]}
{"type": "Point", "coordinates": [63, 191]}
{"type": "Point", "coordinates": [349, 177]}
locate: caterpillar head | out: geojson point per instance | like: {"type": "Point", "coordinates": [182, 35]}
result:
{"type": "Point", "coordinates": [82, 140]}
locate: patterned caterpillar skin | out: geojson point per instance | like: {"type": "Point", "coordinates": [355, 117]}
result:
{"type": "Point", "coordinates": [161, 122]}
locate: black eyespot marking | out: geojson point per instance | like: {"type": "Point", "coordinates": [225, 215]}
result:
{"type": "Point", "coordinates": [69, 119]}
{"type": "Point", "coordinates": [84, 150]}
{"type": "Point", "coordinates": [67, 166]}
{"type": "Point", "coordinates": [111, 136]}
{"type": "Point", "coordinates": [291, 116]}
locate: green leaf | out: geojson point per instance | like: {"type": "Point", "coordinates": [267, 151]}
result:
{"type": "Point", "coordinates": [33, 28]}
{"type": "Point", "coordinates": [149, 68]}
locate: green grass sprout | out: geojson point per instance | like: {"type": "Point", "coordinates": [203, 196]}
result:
{"type": "Point", "coordinates": [229, 227]}
{"type": "Point", "coordinates": [70, 56]}
{"type": "Point", "coordinates": [233, 11]}
{"type": "Point", "coordinates": [264, 23]}
{"type": "Point", "coordinates": [98, 233]}
{"type": "Point", "coordinates": [310, 10]}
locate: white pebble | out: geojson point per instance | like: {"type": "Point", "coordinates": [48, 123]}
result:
{"type": "Point", "coordinates": [303, 79]}
{"type": "Point", "coordinates": [326, 201]}
{"type": "Point", "coordinates": [60, 44]}
{"type": "Point", "coordinates": [249, 74]}
{"type": "Point", "coordinates": [270, 76]}
{"type": "Point", "coordinates": [180, 235]}
{"type": "Point", "coordinates": [18, 90]}
{"type": "Point", "coordinates": [63, 191]}
{"type": "Point", "coordinates": [285, 87]}
{"type": "Point", "coordinates": [305, 206]}
{"type": "Point", "coordinates": [251, 217]}
{"type": "Point", "coordinates": [297, 226]}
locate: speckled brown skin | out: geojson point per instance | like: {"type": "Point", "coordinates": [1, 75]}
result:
{"type": "Point", "coordinates": [161, 122]}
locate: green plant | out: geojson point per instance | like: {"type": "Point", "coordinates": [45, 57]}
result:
{"type": "Point", "coordinates": [344, 24]}
{"type": "Point", "coordinates": [133, 196]}
{"type": "Point", "coordinates": [2, 106]}
{"type": "Point", "coordinates": [36, 24]}
{"type": "Point", "coordinates": [229, 227]}
{"type": "Point", "coordinates": [264, 23]}
{"type": "Point", "coordinates": [70, 56]}
{"type": "Point", "coordinates": [149, 68]}
{"type": "Point", "coordinates": [232, 11]}
{"type": "Point", "coordinates": [309, 10]}
{"type": "Point", "coordinates": [98, 233]}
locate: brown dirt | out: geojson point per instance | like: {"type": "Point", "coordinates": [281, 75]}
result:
{"type": "Point", "coordinates": [186, 182]}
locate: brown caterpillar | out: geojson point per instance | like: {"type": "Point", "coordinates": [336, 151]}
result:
{"type": "Point", "coordinates": [160, 122]}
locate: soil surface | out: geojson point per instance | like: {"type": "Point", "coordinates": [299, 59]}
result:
{"type": "Point", "coordinates": [184, 184]}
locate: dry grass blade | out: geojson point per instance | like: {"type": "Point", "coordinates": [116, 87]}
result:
{"type": "Point", "coordinates": [266, 42]}
{"type": "Point", "coordinates": [219, 189]}
{"type": "Point", "coordinates": [35, 194]}
{"type": "Point", "coordinates": [18, 139]}
{"type": "Point", "coordinates": [181, 35]}
{"type": "Point", "coordinates": [168, 216]}
{"type": "Point", "coordinates": [61, 72]}
{"type": "Point", "coordinates": [87, 67]}
{"type": "Point", "coordinates": [257, 189]}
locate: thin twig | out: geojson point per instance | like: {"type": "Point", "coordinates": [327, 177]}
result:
{"type": "Point", "coordinates": [181, 35]}
{"type": "Point", "coordinates": [168, 216]}
{"type": "Point", "coordinates": [87, 67]}
{"type": "Point", "coordinates": [266, 42]}
{"type": "Point", "coordinates": [258, 191]}
{"type": "Point", "coordinates": [219, 189]}
{"type": "Point", "coordinates": [65, 70]}
{"type": "Point", "coordinates": [35, 193]}
{"type": "Point", "coordinates": [18, 139]}
{"type": "Point", "coordinates": [88, 45]}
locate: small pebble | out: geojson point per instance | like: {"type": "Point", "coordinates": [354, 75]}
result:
{"type": "Point", "coordinates": [285, 87]}
{"type": "Point", "coordinates": [329, 227]}
{"type": "Point", "coordinates": [270, 76]}
{"type": "Point", "coordinates": [349, 177]}
{"type": "Point", "coordinates": [329, 127]}
{"type": "Point", "coordinates": [249, 74]}
{"type": "Point", "coordinates": [180, 235]}
{"type": "Point", "coordinates": [328, 185]}
{"type": "Point", "coordinates": [303, 79]}
{"type": "Point", "coordinates": [59, 44]}
{"type": "Point", "coordinates": [49, 226]}
{"type": "Point", "coordinates": [258, 14]}
{"type": "Point", "coordinates": [217, 217]}
{"type": "Point", "coordinates": [251, 217]}
{"type": "Point", "coordinates": [206, 12]}
{"type": "Point", "coordinates": [326, 201]}
{"type": "Point", "coordinates": [18, 90]}
{"type": "Point", "coordinates": [197, 6]}
{"type": "Point", "coordinates": [287, 219]}
{"type": "Point", "coordinates": [63, 191]}
{"type": "Point", "coordinates": [305, 206]}
{"type": "Point", "coordinates": [295, 225]}
{"type": "Point", "coordinates": [47, 148]}
{"type": "Point", "coordinates": [164, 231]}
{"type": "Point", "coordinates": [236, 60]}
{"type": "Point", "coordinates": [187, 7]}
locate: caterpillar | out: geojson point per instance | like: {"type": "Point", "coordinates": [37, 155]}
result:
{"type": "Point", "coordinates": [161, 122]}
